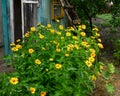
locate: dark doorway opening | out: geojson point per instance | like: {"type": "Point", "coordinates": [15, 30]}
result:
{"type": "Point", "coordinates": [17, 20]}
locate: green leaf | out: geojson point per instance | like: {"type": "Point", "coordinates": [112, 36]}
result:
{"type": "Point", "coordinates": [111, 68]}
{"type": "Point", "coordinates": [110, 88]}
{"type": "Point", "coordinates": [106, 74]}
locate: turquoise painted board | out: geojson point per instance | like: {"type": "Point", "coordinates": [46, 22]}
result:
{"type": "Point", "coordinates": [5, 23]}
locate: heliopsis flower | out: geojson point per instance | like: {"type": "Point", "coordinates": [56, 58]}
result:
{"type": "Point", "coordinates": [67, 55]}
{"type": "Point", "coordinates": [99, 74]}
{"type": "Point", "coordinates": [101, 67]}
{"type": "Point", "coordinates": [37, 61]}
{"type": "Point", "coordinates": [57, 20]}
{"type": "Point", "coordinates": [43, 93]}
{"type": "Point", "coordinates": [48, 25]}
{"type": "Point", "coordinates": [32, 90]}
{"type": "Point", "coordinates": [58, 66]}
{"type": "Point", "coordinates": [41, 36]}
{"type": "Point", "coordinates": [88, 63]}
{"type": "Point", "coordinates": [61, 27]}
{"type": "Point", "coordinates": [14, 80]}
{"type": "Point", "coordinates": [75, 37]}
{"type": "Point", "coordinates": [27, 34]}
{"type": "Point", "coordinates": [43, 48]}
{"type": "Point", "coordinates": [83, 26]}
{"type": "Point", "coordinates": [92, 50]}
{"type": "Point", "coordinates": [59, 33]}
{"type": "Point", "coordinates": [84, 43]}
{"type": "Point", "coordinates": [31, 50]}
{"type": "Point", "coordinates": [18, 46]}
{"type": "Point", "coordinates": [33, 29]}
{"type": "Point", "coordinates": [100, 45]}
{"type": "Point", "coordinates": [51, 59]}
{"type": "Point", "coordinates": [94, 78]}
{"type": "Point", "coordinates": [62, 38]}
{"type": "Point", "coordinates": [91, 59]}
{"type": "Point", "coordinates": [68, 34]}
{"type": "Point", "coordinates": [12, 44]}
{"type": "Point", "coordinates": [18, 40]}
{"type": "Point", "coordinates": [76, 46]}
{"type": "Point", "coordinates": [95, 29]}
{"type": "Point", "coordinates": [97, 34]}
{"type": "Point", "coordinates": [58, 50]}
{"type": "Point", "coordinates": [14, 49]}
{"type": "Point", "coordinates": [99, 40]}
{"type": "Point", "coordinates": [92, 54]}
{"type": "Point", "coordinates": [83, 34]}
{"type": "Point", "coordinates": [52, 31]}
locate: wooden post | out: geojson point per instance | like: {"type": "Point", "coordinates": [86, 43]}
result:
{"type": "Point", "coordinates": [6, 26]}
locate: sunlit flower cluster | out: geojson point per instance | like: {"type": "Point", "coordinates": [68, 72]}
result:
{"type": "Point", "coordinates": [49, 55]}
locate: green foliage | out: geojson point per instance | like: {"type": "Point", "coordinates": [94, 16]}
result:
{"type": "Point", "coordinates": [116, 13]}
{"type": "Point", "coordinates": [87, 9]}
{"type": "Point", "coordinates": [116, 53]}
{"type": "Point", "coordinates": [110, 88]}
{"type": "Point", "coordinates": [52, 61]}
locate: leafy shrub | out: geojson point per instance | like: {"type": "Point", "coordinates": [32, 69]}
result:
{"type": "Point", "coordinates": [51, 61]}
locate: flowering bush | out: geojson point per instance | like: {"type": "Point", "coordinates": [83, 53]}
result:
{"type": "Point", "coordinates": [52, 61]}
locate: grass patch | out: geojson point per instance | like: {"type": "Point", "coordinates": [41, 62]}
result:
{"type": "Point", "coordinates": [106, 17]}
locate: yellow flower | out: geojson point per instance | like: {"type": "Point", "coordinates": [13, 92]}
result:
{"type": "Point", "coordinates": [84, 43]}
{"type": "Point", "coordinates": [91, 59]}
{"type": "Point", "coordinates": [97, 34]}
{"type": "Point", "coordinates": [43, 93]}
{"type": "Point", "coordinates": [27, 34]}
{"type": "Point", "coordinates": [33, 29]}
{"type": "Point", "coordinates": [57, 20]}
{"type": "Point", "coordinates": [99, 40]}
{"type": "Point", "coordinates": [18, 46]}
{"type": "Point", "coordinates": [41, 36]}
{"type": "Point", "coordinates": [83, 26]}
{"type": "Point", "coordinates": [32, 90]}
{"type": "Point", "coordinates": [58, 50]}
{"type": "Point", "coordinates": [58, 66]}
{"type": "Point", "coordinates": [61, 27]}
{"type": "Point", "coordinates": [101, 67]}
{"type": "Point", "coordinates": [62, 38]}
{"type": "Point", "coordinates": [43, 48]}
{"type": "Point", "coordinates": [92, 50]}
{"type": "Point", "coordinates": [46, 69]}
{"type": "Point", "coordinates": [92, 54]}
{"type": "Point", "coordinates": [14, 49]}
{"type": "Point", "coordinates": [51, 59]}
{"type": "Point", "coordinates": [18, 40]}
{"type": "Point", "coordinates": [76, 46]}
{"type": "Point", "coordinates": [37, 61]}
{"type": "Point", "coordinates": [67, 55]}
{"type": "Point", "coordinates": [14, 80]}
{"type": "Point", "coordinates": [68, 34]}
{"type": "Point", "coordinates": [83, 34]}
{"type": "Point", "coordinates": [52, 31]}
{"type": "Point", "coordinates": [31, 50]}
{"type": "Point", "coordinates": [59, 33]}
{"type": "Point", "coordinates": [100, 45]}
{"type": "Point", "coordinates": [48, 25]}
{"type": "Point", "coordinates": [95, 29]}
{"type": "Point", "coordinates": [99, 74]}
{"type": "Point", "coordinates": [88, 63]}
{"type": "Point", "coordinates": [94, 78]}
{"type": "Point", "coordinates": [75, 37]}
{"type": "Point", "coordinates": [12, 44]}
